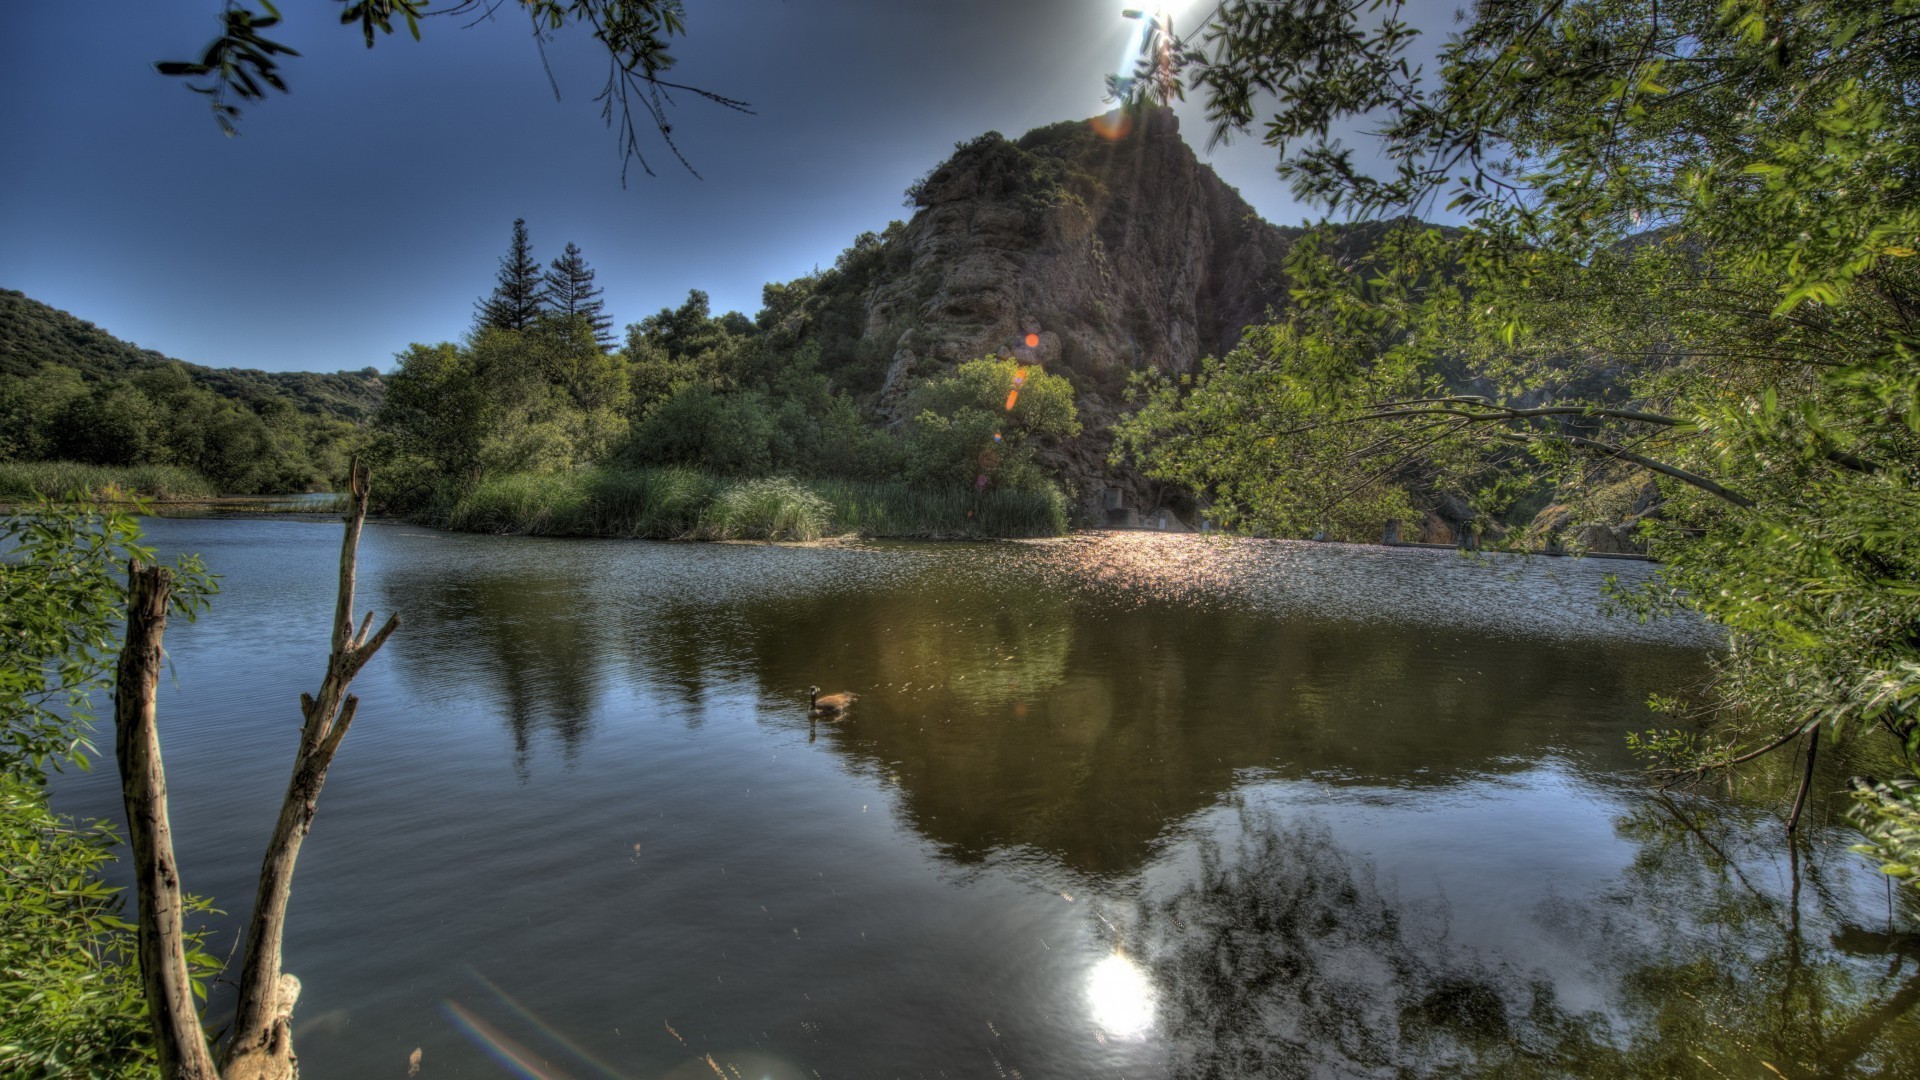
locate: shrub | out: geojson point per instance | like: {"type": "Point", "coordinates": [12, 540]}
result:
{"type": "Point", "coordinates": [775, 509]}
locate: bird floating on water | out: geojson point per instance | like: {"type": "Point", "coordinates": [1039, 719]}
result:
{"type": "Point", "coordinates": [830, 704]}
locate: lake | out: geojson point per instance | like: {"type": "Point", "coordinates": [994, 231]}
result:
{"type": "Point", "coordinates": [1119, 804]}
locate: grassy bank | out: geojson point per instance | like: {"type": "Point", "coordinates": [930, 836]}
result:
{"type": "Point", "coordinates": [104, 483]}
{"type": "Point", "coordinates": [673, 504]}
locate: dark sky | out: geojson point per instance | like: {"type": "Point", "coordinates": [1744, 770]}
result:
{"type": "Point", "coordinates": [367, 209]}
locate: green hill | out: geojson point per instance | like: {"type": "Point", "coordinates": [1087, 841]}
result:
{"type": "Point", "coordinates": [33, 334]}
{"type": "Point", "coordinates": [70, 391]}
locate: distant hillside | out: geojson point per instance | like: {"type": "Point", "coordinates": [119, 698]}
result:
{"type": "Point", "coordinates": [71, 392]}
{"type": "Point", "coordinates": [33, 335]}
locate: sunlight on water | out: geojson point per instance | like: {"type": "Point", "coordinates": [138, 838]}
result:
{"type": "Point", "coordinates": [1120, 997]}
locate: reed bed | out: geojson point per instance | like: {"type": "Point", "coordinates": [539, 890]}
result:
{"type": "Point", "coordinates": [679, 503]}
{"type": "Point", "coordinates": [101, 483]}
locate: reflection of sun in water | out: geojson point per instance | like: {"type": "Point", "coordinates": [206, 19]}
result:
{"type": "Point", "coordinates": [1120, 997]}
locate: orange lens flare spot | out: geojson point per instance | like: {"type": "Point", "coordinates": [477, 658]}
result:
{"type": "Point", "coordinates": [1114, 125]}
{"type": "Point", "coordinates": [1033, 341]}
{"type": "Point", "coordinates": [1012, 396]}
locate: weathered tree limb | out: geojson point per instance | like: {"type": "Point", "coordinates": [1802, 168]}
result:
{"type": "Point", "coordinates": [1806, 780]}
{"type": "Point", "coordinates": [143, 785]}
{"type": "Point", "coordinates": [1481, 410]}
{"type": "Point", "coordinates": [1595, 446]}
{"type": "Point", "coordinates": [261, 1041]}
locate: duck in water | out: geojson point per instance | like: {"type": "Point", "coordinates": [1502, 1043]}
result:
{"type": "Point", "coordinates": [830, 706]}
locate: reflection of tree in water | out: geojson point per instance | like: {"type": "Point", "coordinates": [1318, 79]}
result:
{"type": "Point", "coordinates": [1022, 718]}
{"type": "Point", "coordinates": [533, 644]}
{"type": "Point", "coordinates": [685, 646]}
{"type": "Point", "coordinates": [1746, 961]}
{"type": "Point", "coordinates": [1283, 958]}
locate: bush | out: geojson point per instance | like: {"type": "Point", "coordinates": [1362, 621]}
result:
{"type": "Point", "coordinates": [913, 510]}
{"type": "Point", "coordinates": [71, 1000]}
{"type": "Point", "coordinates": [776, 509]}
{"type": "Point", "coordinates": [681, 503]}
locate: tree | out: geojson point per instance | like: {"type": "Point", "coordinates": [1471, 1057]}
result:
{"type": "Point", "coordinates": [241, 64]}
{"type": "Point", "coordinates": [1691, 254]}
{"type": "Point", "coordinates": [982, 424]}
{"type": "Point", "coordinates": [519, 296]}
{"type": "Point", "coordinates": [571, 292]}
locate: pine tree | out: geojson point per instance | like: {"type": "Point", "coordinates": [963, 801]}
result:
{"type": "Point", "coordinates": [518, 298]}
{"type": "Point", "coordinates": [570, 291]}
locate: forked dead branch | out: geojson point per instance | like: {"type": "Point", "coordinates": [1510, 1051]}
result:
{"type": "Point", "coordinates": [261, 1044]}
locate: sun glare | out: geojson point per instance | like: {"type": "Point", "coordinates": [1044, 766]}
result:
{"type": "Point", "coordinates": [1120, 997]}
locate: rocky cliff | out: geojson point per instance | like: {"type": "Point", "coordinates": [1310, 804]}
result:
{"type": "Point", "coordinates": [1110, 244]}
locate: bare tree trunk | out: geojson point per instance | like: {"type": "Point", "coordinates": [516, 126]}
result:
{"type": "Point", "coordinates": [143, 784]}
{"type": "Point", "coordinates": [1806, 780]}
{"type": "Point", "coordinates": [261, 1044]}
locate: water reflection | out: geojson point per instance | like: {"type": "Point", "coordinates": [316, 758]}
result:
{"type": "Point", "coordinates": [1104, 809]}
{"type": "Point", "coordinates": [528, 641]}
{"type": "Point", "coordinates": [1017, 704]}
{"type": "Point", "coordinates": [1282, 956]}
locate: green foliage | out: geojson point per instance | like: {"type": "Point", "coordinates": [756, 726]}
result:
{"type": "Point", "coordinates": [62, 597]}
{"type": "Point", "coordinates": [679, 503]}
{"type": "Point", "coordinates": [33, 336]}
{"type": "Point", "coordinates": [70, 391]}
{"type": "Point", "coordinates": [984, 423]}
{"type": "Point", "coordinates": [1692, 252]}
{"type": "Point", "coordinates": [240, 64]}
{"type": "Point", "coordinates": [1256, 432]}
{"type": "Point", "coordinates": [518, 296]}
{"type": "Point", "coordinates": [71, 1000]}
{"type": "Point", "coordinates": [570, 292]}
{"type": "Point", "coordinates": [58, 479]}
{"type": "Point", "coordinates": [900, 509]}
{"type": "Point", "coordinates": [771, 509]}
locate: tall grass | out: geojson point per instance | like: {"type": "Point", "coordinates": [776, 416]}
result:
{"type": "Point", "coordinates": [678, 503]}
{"type": "Point", "coordinates": [776, 509]}
{"type": "Point", "coordinates": [57, 479]}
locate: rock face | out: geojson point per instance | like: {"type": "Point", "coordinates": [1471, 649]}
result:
{"type": "Point", "coordinates": [1110, 244]}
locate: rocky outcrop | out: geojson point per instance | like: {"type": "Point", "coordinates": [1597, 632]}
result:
{"type": "Point", "coordinates": [1111, 247]}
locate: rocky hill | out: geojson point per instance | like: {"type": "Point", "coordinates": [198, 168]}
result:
{"type": "Point", "coordinates": [1111, 244]}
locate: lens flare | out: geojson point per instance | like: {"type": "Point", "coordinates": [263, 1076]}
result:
{"type": "Point", "coordinates": [1033, 341]}
{"type": "Point", "coordinates": [545, 1028]}
{"type": "Point", "coordinates": [1012, 396]}
{"type": "Point", "coordinates": [1112, 126]}
{"type": "Point", "coordinates": [517, 1059]}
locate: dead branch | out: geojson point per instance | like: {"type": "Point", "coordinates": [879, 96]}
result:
{"type": "Point", "coordinates": [261, 1041]}
{"type": "Point", "coordinates": [143, 785]}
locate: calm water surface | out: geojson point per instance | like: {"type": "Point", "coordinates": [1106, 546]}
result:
{"type": "Point", "coordinates": [1117, 805]}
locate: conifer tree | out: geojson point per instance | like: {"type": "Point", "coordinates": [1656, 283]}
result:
{"type": "Point", "coordinates": [518, 298]}
{"type": "Point", "coordinates": [570, 291]}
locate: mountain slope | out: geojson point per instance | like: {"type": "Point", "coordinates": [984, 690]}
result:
{"type": "Point", "coordinates": [33, 334]}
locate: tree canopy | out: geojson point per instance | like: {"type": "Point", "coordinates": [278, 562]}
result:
{"type": "Point", "coordinates": [1690, 264]}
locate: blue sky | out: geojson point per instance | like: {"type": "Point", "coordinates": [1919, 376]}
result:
{"type": "Point", "coordinates": [367, 209]}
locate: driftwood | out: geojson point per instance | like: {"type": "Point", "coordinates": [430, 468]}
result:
{"type": "Point", "coordinates": [143, 785]}
{"type": "Point", "coordinates": [261, 1044]}
{"type": "Point", "coordinates": [261, 1038]}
